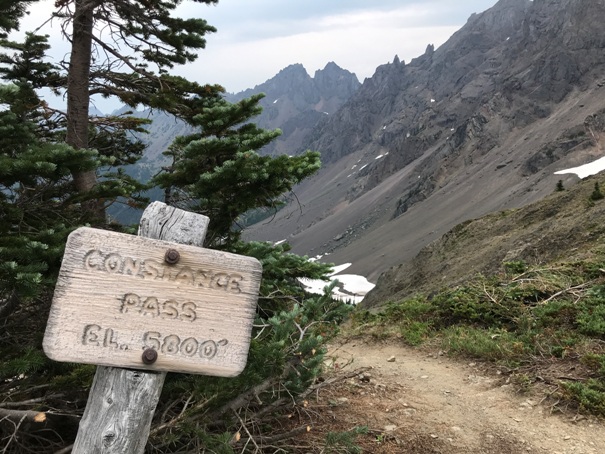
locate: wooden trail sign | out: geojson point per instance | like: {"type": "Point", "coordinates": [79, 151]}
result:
{"type": "Point", "coordinates": [118, 295]}
{"type": "Point", "coordinates": [98, 317]}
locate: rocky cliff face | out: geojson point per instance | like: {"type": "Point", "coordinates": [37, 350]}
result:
{"type": "Point", "coordinates": [298, 103]}
{"type": "Point", "coordinates": [477, 125]}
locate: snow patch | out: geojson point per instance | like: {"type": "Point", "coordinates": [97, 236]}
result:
{"type": "Point", "coordinates": [275, 100]}
{"type": "Point", "coordinates": [407, 135]}
{"type": "Point", "coordinates": [384, 127]}
{"type": "Point", "coordinates": [352, 288]}
{"type": "Point", "coordinates": [363, 167]}
{"type": "Point", "coordinates": [586, 170]}
{"type": "Point", "coordinates": [379, 156]}
{"type": "Point", "coordinates": [277, 243]}
{"type": "Point", "coordinates": [337, 269]}
{"type": "Point", "coordinates": [432, 100]}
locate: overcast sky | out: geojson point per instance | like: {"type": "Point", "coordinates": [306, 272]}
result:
{"type": "Point", "coordinates": [257, 38]}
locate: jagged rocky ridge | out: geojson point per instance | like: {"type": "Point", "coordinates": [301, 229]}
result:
{"type": "Point", "coordinates": [298, 104]}
{"type": "Point", "coordinates": [478, 125]}
{"type": "Point", "coordinates": [295, 102]}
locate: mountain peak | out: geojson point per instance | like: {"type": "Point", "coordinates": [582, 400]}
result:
{"type": "Point", "coordinates": [333, 81]}
{"type": "Point", "coordinates": [296, 68]}
{"type": "Point", "coordinates": [292, 74]}
{"type": "Point", "coordinates": [331, 66]}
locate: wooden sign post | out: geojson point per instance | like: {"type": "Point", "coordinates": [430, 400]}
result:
{"type": "Point", "coordinates": [153, 303]}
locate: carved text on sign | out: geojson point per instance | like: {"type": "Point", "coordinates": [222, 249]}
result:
{"type": "Point", "coordinates": [170, 344]}
{"type": "Point", "coordinates": [114, 263]}
{"type": "Point", "coordinates": [118, 297]}
{"type": "Point", "coordinates": [169, 310]}
{"type": "Point", "coordinates": [99, 337]}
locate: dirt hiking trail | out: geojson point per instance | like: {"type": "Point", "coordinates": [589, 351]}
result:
{"type": "Point", "coordinates": [418, 401]}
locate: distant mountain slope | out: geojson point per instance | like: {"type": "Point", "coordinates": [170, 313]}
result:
{"type": "Point", "coordinates": [298, 103]}
{"type": "Point", "coordinates": [475, 126]}
{"type": "Point", "coordinates": [295, 103]}
{"type": "Point", "coordinates": [563, 226]}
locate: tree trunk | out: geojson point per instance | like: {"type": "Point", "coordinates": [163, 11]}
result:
{"type": "Point", "coordinates": [78, 97]}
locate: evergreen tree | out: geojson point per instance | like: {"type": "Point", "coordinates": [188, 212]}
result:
{"type": "Point", "coordinates": [38, 205]}
{"type": "Point", "coordinates": [218, 172]}
{"type": "Point", "coordinates": [10, 13]}
{"type": "Point", "coordinates": [136, 35]}
{"type": "Point", "coordinates": [24, 64]}
{"type": "Point", "coordinates": [596, 194]}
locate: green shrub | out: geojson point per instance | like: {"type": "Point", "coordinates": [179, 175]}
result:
{"type": "Point", "coordinates": [489, 345]}
{"type": "Point", "coordinates": [516, 267]}
{"type": "Point", "coordinates": [591, 312]}
{"type": "Point", "coordinates": [556, 313]}
{"type": "Point", "coordinates": [596, 362]}
{"type": "Point", "coordinates": [415, 333]}
{"type": "Point", "coordinates": [415, 308]}
{"type": "Point", "coordinates": [596, 194]}
{"type": "Point", "coordinates": [591, 321]}
{"type": "Point", "coordinates": [477, 304]}
{"type": "Point", "coordinates": [590, 395]}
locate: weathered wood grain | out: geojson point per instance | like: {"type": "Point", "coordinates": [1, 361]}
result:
{"type": "Point", "coordinates": [162, 222]}
{"type": "Point", "coordinates": [119, 411]}
{"type": "Point", "coordinates": [122, 402]}
{"type": "Point", "coordinates": [116, 296]}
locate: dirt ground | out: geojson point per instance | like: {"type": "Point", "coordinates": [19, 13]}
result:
{"type": "Point", "coordinates": [420, 401]}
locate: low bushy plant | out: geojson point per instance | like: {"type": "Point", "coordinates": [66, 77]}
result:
{"type": "Point", "coordinates": [590, 395]}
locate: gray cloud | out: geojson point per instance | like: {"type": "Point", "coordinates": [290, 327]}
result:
{"type": "Point", "coordinates": [243, 19]}
{"type": "Point", "coordinates": [256, 39]}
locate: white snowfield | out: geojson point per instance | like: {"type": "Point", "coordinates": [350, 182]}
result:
{"type": "Point", "coordinates": [351, 288]}
{"type": "Point", "coordinates": [586, 170]}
